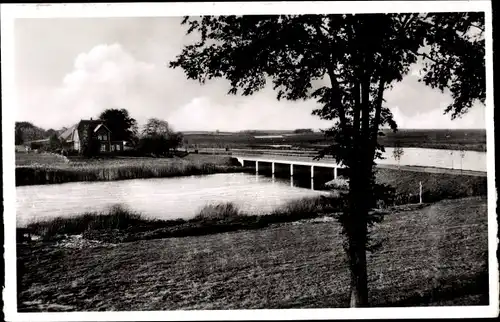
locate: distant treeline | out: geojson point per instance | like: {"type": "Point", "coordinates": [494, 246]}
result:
{"type": "Point", "coordinates": [26, 132]}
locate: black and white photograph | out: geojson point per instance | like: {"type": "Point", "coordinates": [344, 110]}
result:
{"type": "Point", "coordinates": [290, 160]}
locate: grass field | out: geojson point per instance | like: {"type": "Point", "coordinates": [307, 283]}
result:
{"type": "Point", "coordinates": [25, 159]}
{"type": "Point", "coordinates": [435, 186]}
{"type": "Point", "coordinates": [436, 255]}
{"type": "Point", "coordinates": [474, 140]}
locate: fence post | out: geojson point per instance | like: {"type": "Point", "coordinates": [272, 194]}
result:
{"type": "Point", "coordinates": [420, 184]}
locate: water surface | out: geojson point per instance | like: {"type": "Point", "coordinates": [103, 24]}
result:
{"type": "Point", "coordinates": [164, 198]}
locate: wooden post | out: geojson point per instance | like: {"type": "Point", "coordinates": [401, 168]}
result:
{"type": "Point", "coordinates": [257, 166]}
{"type": "Point", "coordinates": [312, 183]}
{"type": "Point", "coordinates": [291, 169]}
{"type": "Point", "coordinates": [335, 173]}
{"type": "Point", "coordinates": [272, 167]}
{"type": "Point", "coordinates": [420, 184]}
{"type": "Point", "coordinates": [312, 171]}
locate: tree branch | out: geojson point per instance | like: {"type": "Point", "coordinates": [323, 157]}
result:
{"type": "Point", "coordinates": [335, 100]}
{"type": "Point", "coordinates": [424, 55]}
{"type": "Point", "coordinates": [378, 109]}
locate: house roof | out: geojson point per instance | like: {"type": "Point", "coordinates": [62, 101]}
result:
{"type": "Point", "coordinates": [69, 134]}
{"type": "Point", "coordinates": [103, 126]}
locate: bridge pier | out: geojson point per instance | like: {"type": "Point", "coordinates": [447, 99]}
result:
{"type": "Point", "coordinates": [257, 166]}
{"type": "Point", "coordinates": [312, 171]}
{"type": "Point", "coordinates": [291, 169]}
{"type": "Point", "coordinates": [272, 167]}
{"type": "Point", "coordinates": [335, 173]}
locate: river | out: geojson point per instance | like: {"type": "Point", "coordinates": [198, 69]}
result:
{"type": "Point", "coordinates": [440, 158]}
{"type": "Point", "coordinates": [182, 197]}
{"type": "Point", "coordinates": [163, 198]}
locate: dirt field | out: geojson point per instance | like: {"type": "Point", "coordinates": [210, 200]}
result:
{"type": "Point", "coordinates": [433, 256]}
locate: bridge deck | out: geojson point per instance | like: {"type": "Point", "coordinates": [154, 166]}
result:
{"type": "Point", "coordinates": [295, 160]}
{"type": "Point", "coordinates": [330, 163]}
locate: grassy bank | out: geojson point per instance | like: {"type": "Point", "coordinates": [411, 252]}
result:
{"type": "Point", "coordinates": [435, 186]}
{"type": "Point", "coordinates": [436, 255]}
{"type": "Point", "coordinates": [121, 168]}
{"type": "Point", "coordinates": [122, 225]}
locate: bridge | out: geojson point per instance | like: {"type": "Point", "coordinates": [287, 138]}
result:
{"type": "Point", "coordinates": [330, 163]}
{"type": "Point", "coordinates": [290, 160]}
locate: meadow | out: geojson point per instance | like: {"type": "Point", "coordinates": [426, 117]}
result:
{"type": "Point", "coordinates": [474, 140]}
{"type": "Point", "coordinates": [433, 255]}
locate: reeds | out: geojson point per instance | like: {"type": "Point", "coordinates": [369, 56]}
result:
{"type": "Point", "coordinates": [36, 174]}
{"type": "Point", "coordinates": [120, 224]}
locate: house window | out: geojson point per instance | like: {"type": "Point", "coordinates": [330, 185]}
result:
{"type": "Point", "coordinates": [99, 137]}
{"type": "Point", "coordinates": [103, 147]}
{"type": "Point", "coordinates": [117, 147]}
{"type": "Point", "coordinates": [105, 137]}
{"type": "Point", "coordinates": [112, 147]}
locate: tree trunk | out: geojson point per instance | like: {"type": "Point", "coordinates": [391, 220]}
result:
{"type": "Point", "coordinates": [357, 232]}
{"type": "Point", "coordinates": [359, 280]}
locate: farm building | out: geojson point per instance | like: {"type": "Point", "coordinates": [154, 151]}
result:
{"type": "Point", "coordinates": [77, 137]}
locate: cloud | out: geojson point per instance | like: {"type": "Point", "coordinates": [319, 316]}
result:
{"type": "Point", "coordinates": [416, 105]}
{"type": "Point", "coordinates": [261, 112]}
{"type": "Point", "coordinates": [435, 119]}
{"type": "Point", "coordinates": [108, 76]}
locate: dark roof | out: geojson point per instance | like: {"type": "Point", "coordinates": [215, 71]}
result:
{"type": "Point", "coordinates": [68, 135]}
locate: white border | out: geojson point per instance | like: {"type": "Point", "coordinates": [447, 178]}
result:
{"type": "Point", "coordinates": [11, 11]}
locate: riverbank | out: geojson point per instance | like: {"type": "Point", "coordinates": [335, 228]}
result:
{"type": "Point", "coordinates": [435, 255]}
{"type": "Point", "coordinates": [37, 172]}
{"type": "Point", "coordinates": [123, 225]}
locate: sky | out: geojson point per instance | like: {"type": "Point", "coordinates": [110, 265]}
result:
{"type": "Point", "coordinates": [68, 69]}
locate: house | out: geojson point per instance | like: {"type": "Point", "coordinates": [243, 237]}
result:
{"type": "Point", "coordinates": [77, 137]}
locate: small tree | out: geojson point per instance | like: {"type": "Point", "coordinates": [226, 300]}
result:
{"type": "Point", "coordinates": [54, 142]}
{"type": "Point", "coordinates": [462, 156]}
{"type": "Point", "coordinates": [159, 137]}
{"type": "Point", "coordinates": [397, 153]}
{"type": "Point", "coordinates": [155, 126]}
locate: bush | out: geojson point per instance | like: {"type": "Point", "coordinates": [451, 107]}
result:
{"type": "Point", "coordinates": [116, 218]}
{"type": "Point", "coordinates": [218, 212]}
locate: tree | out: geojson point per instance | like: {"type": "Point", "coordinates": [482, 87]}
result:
{"type": "Point", "coordinates": [397, 153]}
{"type": "Point", "coordinates": [175, 140]}
{"type": "Point", "coordinates": [462, 156]}
{"type": "Point", "coordinates": [159, 137]}
{"type": "Point", "coordinates": [19, 137]}
{"type": "Point", "coordinates": [346, 63]}
{"type": "Point", "coordinates": [54, 142]}
{"type": "Point", "coordinates": [122, 126]}
{"type": "Point", "coordinates": [156, 126]}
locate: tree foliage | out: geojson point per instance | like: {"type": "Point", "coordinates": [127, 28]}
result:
{"type": "Point", "coordinates": [159, 138]}
{"type": "Point", "coordinates": [346, 63]}
{"type": "Point", "coordinates": [155, 126]}
{"type": "Point", "coordinates": [123, 127]}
